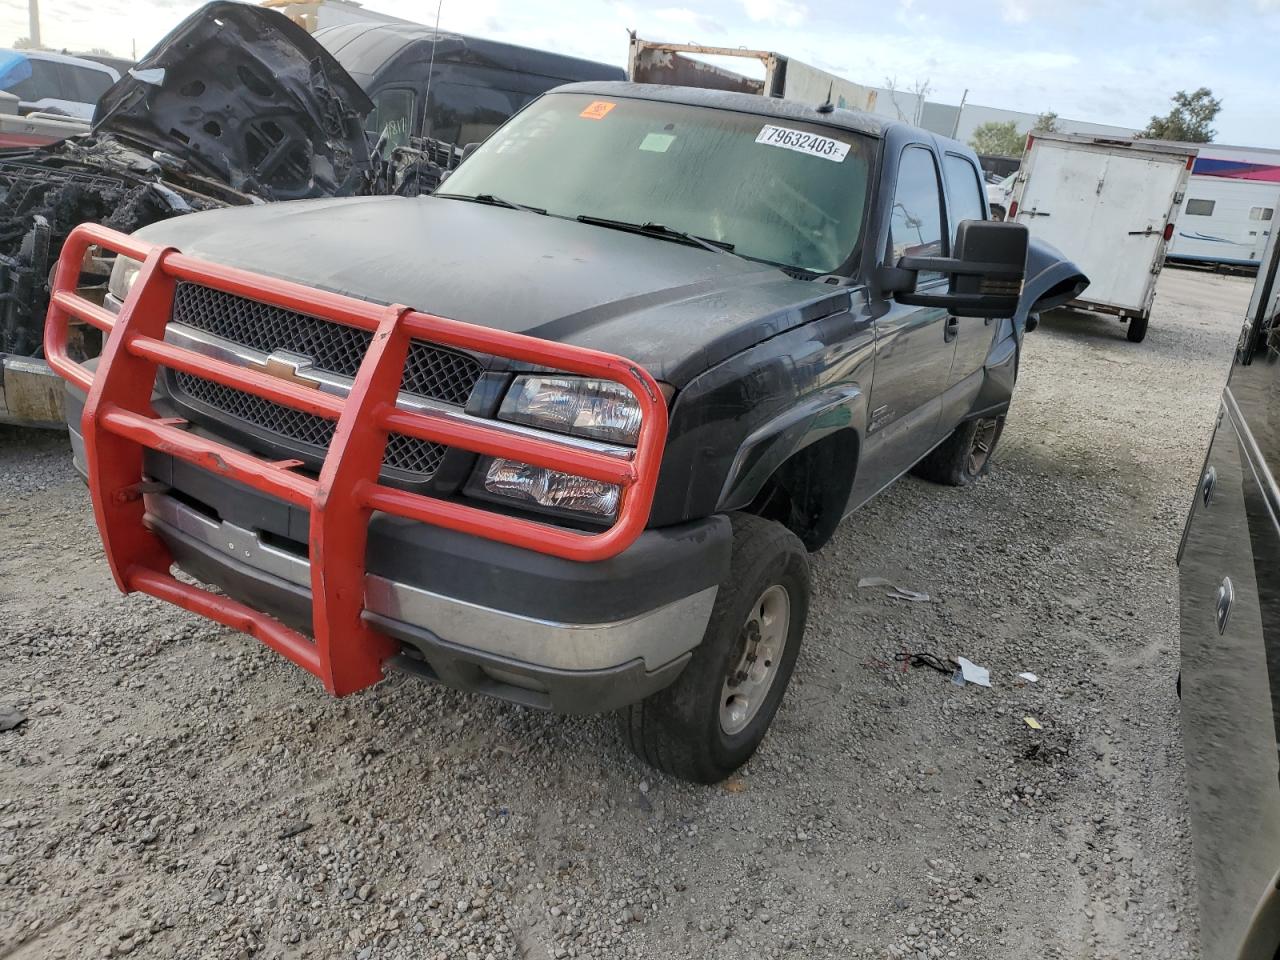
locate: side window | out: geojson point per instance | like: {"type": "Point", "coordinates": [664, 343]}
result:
{"type": "Point", "coordinates": [44, 83]}
{"type": "Point", "coordinates": [393, 113]}
{"type": "Point", "coordinates": [1200, 208]}
{"type": "Point", "coordinates": [916, 228]}
{"type": "Point", "coordinates": [965, 189]}
{"type": "Point", "coordinates": [1261, 213]}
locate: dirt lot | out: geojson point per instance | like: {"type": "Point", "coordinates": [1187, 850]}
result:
{"type": "Point", "coordinates": [179, 791]}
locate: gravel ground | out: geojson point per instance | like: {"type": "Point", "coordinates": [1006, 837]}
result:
{"type": "Point", "coordinates": [179, 791]}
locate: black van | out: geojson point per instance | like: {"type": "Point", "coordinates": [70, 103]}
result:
{"type": "Point", "coordinates": [475, 85]}
{"type": "Point", "coordinates": [1229, 571]}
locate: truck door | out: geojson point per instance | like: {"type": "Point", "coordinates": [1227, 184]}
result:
{"type": "Point", "coordinates": [1229, 579]}
{"type": "Point", "coordinates": [973, 341]}
{"type": "Point", "coordinates": [914, 345]}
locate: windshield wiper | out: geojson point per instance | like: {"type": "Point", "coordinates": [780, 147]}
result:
{"type": "Point", "coordinates": [660, 231]}
{"type": "Point", "coordinates": [490, 200]}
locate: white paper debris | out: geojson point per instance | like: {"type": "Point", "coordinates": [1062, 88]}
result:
{"type": "Point", "coordinates": [974, 673]}
{"type": "Point", "coordinates": [895, 592]}
{"type": "Point", "coordinates": [1029, 677]}
{"type": "Point", "coordinates": [902, 593]}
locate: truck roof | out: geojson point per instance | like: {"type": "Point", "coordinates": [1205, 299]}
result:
{"type": "Point", "coordinates": [773, 107]}
{"type": "Point", "coordinates": [365, 48]}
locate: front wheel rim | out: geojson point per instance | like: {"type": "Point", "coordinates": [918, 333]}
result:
{"type": "Point", "coordinates": [761, 646]}
{"type": "Point", "coordinates": [984, 438]}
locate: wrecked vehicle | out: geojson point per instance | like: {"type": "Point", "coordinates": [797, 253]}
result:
{"type": "Point", "coordinates": [434, 92]}
{"type": "Point", "coordinates": [565, 432]}
{"type": "Point", "coordinates": [446, 86]}
{"type": "Point", "coordinates": [237, 105]}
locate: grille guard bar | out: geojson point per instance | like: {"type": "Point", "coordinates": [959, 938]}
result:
{"type": "Point", "coordinates": [119, 423]}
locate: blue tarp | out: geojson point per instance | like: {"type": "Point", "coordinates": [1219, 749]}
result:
{"type": "Point", "coordinates": [14, 68]}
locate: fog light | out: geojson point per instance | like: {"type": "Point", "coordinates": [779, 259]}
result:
{"type": "Point", "coordinates": [551, 488]}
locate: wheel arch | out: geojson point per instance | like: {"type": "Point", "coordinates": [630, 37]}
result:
{"type": "Point", "coordinates": [799, 467]}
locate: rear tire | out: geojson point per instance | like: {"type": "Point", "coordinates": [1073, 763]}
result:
{"type": "Point", "coordinates": [1137, 328]}
{"type": "Point", "coordinates": [965, 455]}
{"type": "Point", "coordinates": [711, 720]}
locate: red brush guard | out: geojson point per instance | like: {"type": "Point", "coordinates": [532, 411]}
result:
{"type": "Point", "coordinates": [119, 424]}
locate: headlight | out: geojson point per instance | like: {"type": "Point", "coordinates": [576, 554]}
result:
{"type": "Point", "coordinates": [123, 273]}
{"type": "Point", "coordinates": [550, 488]}
{"type": "Point", "coordinates": [599, 409]}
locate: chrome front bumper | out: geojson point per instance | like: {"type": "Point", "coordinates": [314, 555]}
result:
{"type": "Point", "coordinates": [566, 667]}
{"type": "Point", "coordinates": [655, 638]}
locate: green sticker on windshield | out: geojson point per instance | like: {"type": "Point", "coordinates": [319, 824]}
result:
{"type": "Point", "coordinates": [657, 142]}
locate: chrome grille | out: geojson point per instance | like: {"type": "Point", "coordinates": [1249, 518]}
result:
{"type": "Point", "coordinates": [431, 371]}
{"type": "Point", "coordinates": [403, 453]}
{"type": "Point", "coordinates": [437, 373]}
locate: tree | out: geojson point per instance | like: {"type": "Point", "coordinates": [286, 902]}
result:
{"type": "Point", "coordinates": [1047, 122]}
{"type": "Point", "coordinates": [1189, 120]}
{"type": "Point", "coordinates": [918, 91]}
{"type": "Point", "coordinates": [23, 43]}
{"type": "Point", "coordinates": [1001, 139]}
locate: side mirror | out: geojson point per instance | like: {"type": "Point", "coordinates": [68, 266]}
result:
{"type": "Point", "coordinates": [986, 272]}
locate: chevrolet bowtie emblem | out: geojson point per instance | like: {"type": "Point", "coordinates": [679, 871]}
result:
{"type": "Point", "coordinates": [285, 370]}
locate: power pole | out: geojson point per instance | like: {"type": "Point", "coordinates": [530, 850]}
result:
{"type": "Point", "coordinates": [33, 14]}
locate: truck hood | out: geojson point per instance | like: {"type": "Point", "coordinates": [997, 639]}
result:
{"type": "Point", "coordinates": [674, 309]}
{"type": "Point", "coordinates": [244, 95]}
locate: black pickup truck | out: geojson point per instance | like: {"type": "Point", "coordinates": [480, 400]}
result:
{"type": "Point", "coordinates": [816, 293]}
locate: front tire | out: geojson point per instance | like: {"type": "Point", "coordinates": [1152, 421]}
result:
{"type": "Point", "coordinates": [711, 720]}
{"type": "Point", "coordinates": [965, 455]}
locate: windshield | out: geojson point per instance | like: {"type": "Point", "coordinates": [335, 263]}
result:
{"type": "Point", "coordinates": [780, 191]}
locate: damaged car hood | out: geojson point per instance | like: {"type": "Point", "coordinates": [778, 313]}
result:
{"type": "Point", "coordinates": [245, 96]}
{"type": "Point", "coordinates": [675, 309]}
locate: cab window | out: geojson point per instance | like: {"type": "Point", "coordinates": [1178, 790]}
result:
{"type": "Point", "coordinates": [916, 228]}
{"type": "Point", "coordinates": [392, 114]}
{"type": "Point", "coordinates": [964, 186]}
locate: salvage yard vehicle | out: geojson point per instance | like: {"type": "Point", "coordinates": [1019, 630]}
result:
{"type": "Point", "coordinates": [445, 86]}
{"type": "Point", "coordinates": [235, 106]}
{"type": "Point", "coordinates": [54, 83]}
{"type": "Point", "coordinates": [1112, 204]}
{"type": "Point", "coordinates": [1230, 642]}
{"type": "Point", "coordinates": [565, 432]}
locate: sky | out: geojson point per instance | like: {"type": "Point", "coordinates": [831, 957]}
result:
{"type": "Point", "coordinates": [1106, 61]}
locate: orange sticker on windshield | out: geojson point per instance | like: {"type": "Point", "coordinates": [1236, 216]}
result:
{"type": "Point", "coordinates": [596, 109]}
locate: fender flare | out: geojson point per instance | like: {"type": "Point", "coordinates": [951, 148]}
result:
{"type": "Point", "coordinates": [774, 442]}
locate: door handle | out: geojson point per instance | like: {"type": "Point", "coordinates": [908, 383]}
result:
{"type": "Point", "coordinates": [1222, 611]}
{"type": "Point", "coordinates": [1207, 484]}
{"type": "Point", "coordinates": [952, 329]}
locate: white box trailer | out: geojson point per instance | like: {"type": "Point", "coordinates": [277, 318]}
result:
{"type": "Point", "coordinates": [652, 61]}
{"type": "Point", "coordinates": [1109, 205]}
{"type": "Point", "coordinates": [1227, 216]}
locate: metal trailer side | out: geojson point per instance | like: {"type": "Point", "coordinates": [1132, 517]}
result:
{"type": "Point", "coordinates": [1110, 205]}
{"type": "Point", "coordinates": [651, 61]}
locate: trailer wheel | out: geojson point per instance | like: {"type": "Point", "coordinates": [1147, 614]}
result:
{"type": "Point", "coordinates": [1137, 331]}
{"type": "Point", "coordinates": [711, 720]}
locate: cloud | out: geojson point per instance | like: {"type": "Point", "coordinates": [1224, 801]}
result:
{"type": "Point", "coordinates": [684, 17]}
{"type": "Point", "coordinates": [1016, 11]}
{"type": "Point", "coordinates": [788, 13]}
